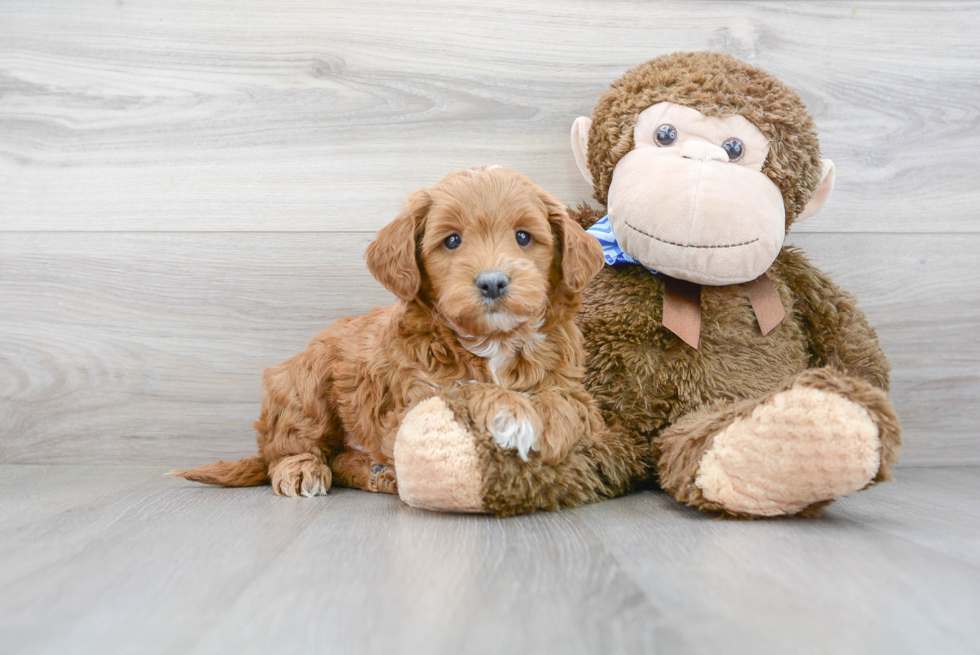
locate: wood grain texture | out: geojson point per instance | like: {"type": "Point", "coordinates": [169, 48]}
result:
{"type": "Point", "coordinates": [854, 581]}
{"type": "Point", "coordinates": [186, 188]}
{"type": "Point", "coordinates": [122, 559]}
{"type": "Point", "coordinates": [319, 116]}
{"type": "Point", "coordinates": [149, 347]}
{"type": "Point", "coordinates": [154, 341]}
{"type": "Point", "coordinates": [922, 295]}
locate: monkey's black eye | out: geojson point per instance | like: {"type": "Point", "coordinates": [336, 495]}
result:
{"type": "Point", "coordinates": [523, 238]}
{"type": "Point", "coordinates": [666, 135]}
{"type": "Point", "coordinates": [452, 242]}
{"type": "Point", "coordinates": [734, 149]}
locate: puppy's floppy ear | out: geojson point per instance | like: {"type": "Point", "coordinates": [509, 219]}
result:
{"type": "Point", "coordinates": [581, 254]}
{"type": "Point", "coordinates": [391, 256]}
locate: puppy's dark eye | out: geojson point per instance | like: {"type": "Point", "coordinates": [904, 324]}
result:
{"type": "Point", "coordinates": [734, 149]}
{"type": "Point", "coordinates": [523, 238]}
{"type": "Point", "coordinates": [452, 242]}
{"type": "Point", "coordinates": [666, 135]}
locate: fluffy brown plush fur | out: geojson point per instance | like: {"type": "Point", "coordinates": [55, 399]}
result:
{"type": "Point", "coordinates": [671, 408]}
{"type": "Point", "coordinates": [330, 414]}
{"type": "Point", "coordinates": [647, 380]}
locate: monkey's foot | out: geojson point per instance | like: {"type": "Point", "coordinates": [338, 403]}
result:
{"type": "Point", "coordinates": [437, 462]}
{"type": "Point", "coordinates": [821, 435]}
{"type": "Point", "coordinates": [798, 448]}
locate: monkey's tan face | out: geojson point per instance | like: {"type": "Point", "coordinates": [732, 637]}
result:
{"type": "Point", "coordinates": [690, 200]}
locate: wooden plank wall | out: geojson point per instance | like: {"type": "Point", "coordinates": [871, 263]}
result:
{"type": "Point", "coordinates": [186, 188]}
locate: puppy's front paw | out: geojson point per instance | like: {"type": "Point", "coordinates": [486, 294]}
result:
{"type": "Point", "coordinates": [507, 415]}
{"type": "Point", "coordinates": [300, 475]}
{"type": "Point", "coordinates": [514, 431]}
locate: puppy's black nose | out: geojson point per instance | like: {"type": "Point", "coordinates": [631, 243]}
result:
{"type": "Point", "coordinates": [492, 284]}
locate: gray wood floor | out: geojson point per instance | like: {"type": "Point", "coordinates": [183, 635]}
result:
{"type": "Point", "coordinates": [98, 559]}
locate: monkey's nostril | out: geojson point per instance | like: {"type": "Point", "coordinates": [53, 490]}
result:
{"type": "Point", "coordinates": [492, 284]}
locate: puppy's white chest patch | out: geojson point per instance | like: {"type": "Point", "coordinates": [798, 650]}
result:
{"type": "Point", "coordinates": [499, 353]}
{"type": "Point", "coordinates": [499, 360]}
{"type": "Point", "coordinates": [496, 352]}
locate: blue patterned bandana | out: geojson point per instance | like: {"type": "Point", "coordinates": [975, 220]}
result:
{"type": "Point", "coordinates": [602, 231]}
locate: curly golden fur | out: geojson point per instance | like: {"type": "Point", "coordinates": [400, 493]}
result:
{"type": "Point", "coordinates": [331, 413]}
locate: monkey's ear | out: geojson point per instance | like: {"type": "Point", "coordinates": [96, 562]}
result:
{"type": "Point", "coordinates": [822, 194]}
{"type": "Point", "coordinates": [391, 256]}
{"type": "Point", "coordinates": [581, 254]}
{"type": "Point", "coordinates": [580, 145]}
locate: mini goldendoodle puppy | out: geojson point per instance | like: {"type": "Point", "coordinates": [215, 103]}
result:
{"type": "Point", "coordinates": [488, 269]}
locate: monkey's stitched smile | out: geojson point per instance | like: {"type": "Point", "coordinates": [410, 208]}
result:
{"type": "Point", "coordinates": [685, 245]}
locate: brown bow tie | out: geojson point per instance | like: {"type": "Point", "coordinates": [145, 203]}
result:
{"type": "Point", "coordinates": [682, 307]}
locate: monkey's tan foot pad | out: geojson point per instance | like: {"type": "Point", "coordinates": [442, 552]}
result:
{"type": "Point", "coordinates": [436, 461]}
{"type": "Point", "coordinates": [800, 447]}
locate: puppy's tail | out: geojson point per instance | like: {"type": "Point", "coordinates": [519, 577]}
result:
{"type": "Point", "coordinates": [247, 472]}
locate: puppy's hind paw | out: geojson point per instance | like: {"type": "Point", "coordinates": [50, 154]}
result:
{"type": "Point", "coordinates": [513, 433]}
{"type": "Point", "coordinates": [383, 479]}
{"type": "Point", "coordinates": [300, 475]}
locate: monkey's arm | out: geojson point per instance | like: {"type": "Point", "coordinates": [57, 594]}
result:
{"type": "Point", "coordinates": [837, 331]}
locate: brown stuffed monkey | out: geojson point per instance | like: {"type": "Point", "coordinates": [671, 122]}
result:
{"type": "Point", "coordinates": [727, 368]}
